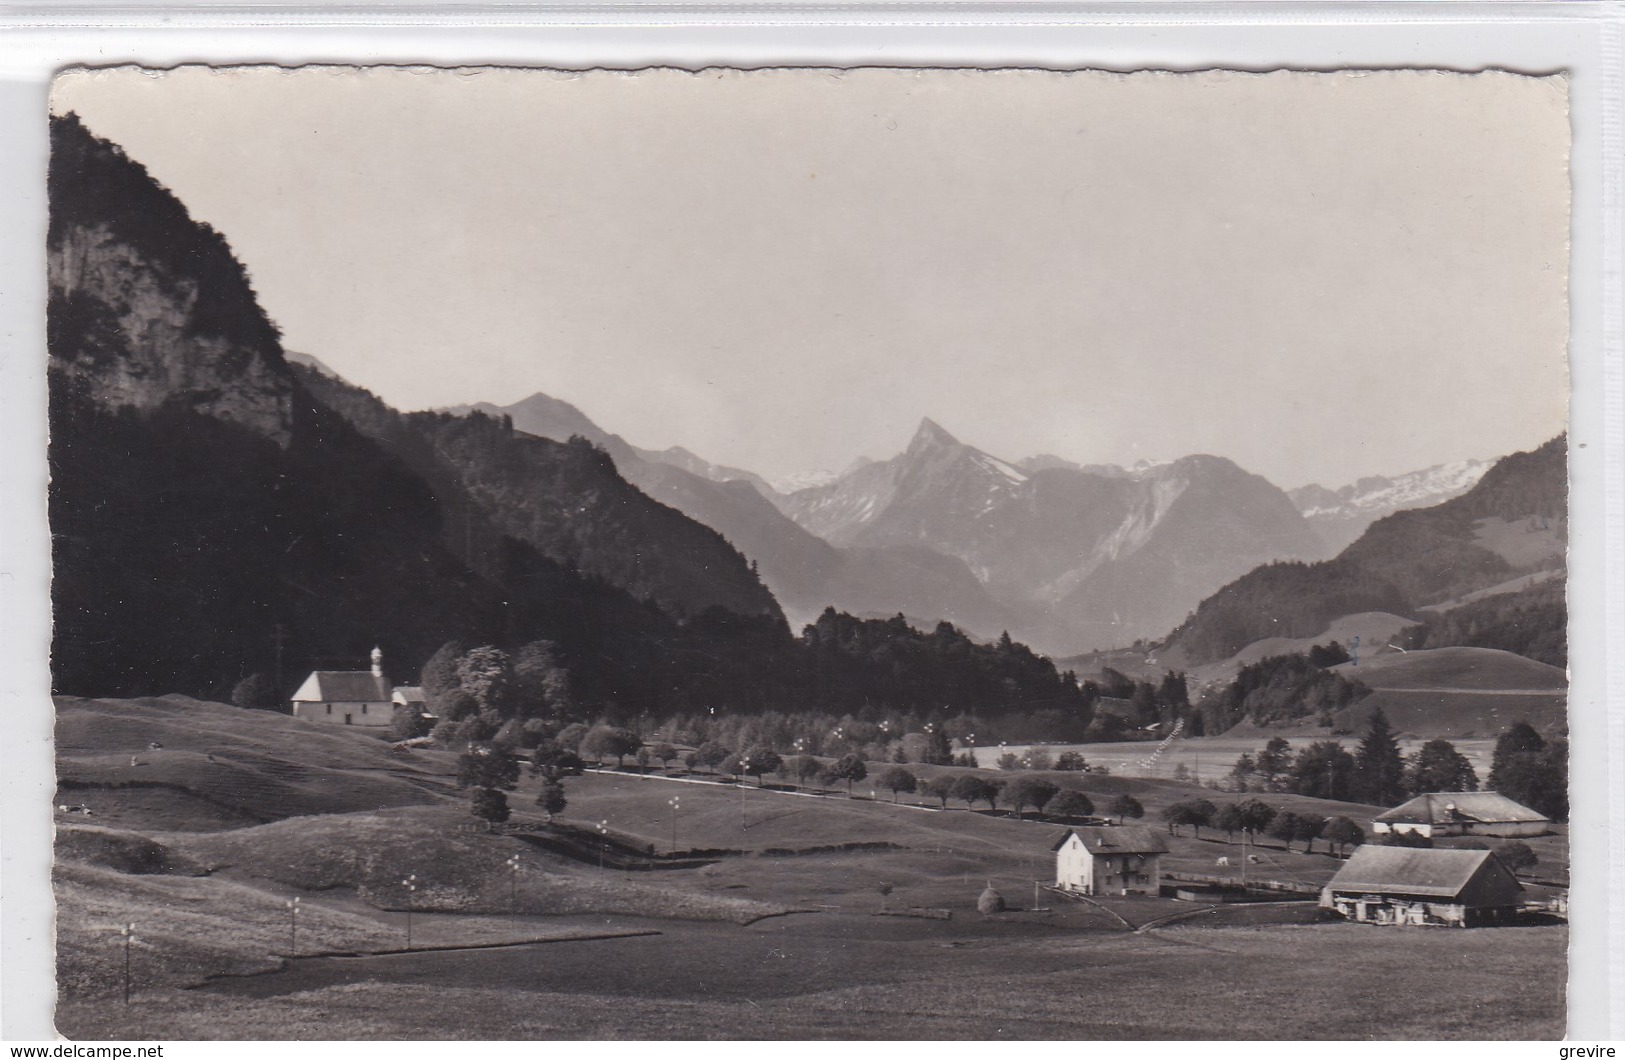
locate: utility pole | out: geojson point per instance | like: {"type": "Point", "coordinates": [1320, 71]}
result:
{"type": "Point", "coordinates": [128, 931]}
{"type": "Point", "coordinates": [411, 884]}
{"type": "Point", "coordinates": [293, 926]}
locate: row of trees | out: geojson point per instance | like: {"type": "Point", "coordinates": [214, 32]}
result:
{"type": "Point", "coordinates": [1524, 767]}
{"type": "Point", "coordinates": [1254, 818]}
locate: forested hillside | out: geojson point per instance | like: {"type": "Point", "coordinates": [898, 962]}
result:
{"type": "Point", "coordinates": [1401, 563]}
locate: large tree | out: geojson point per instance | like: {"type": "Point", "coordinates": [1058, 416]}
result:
{"type": "Point", "coordinates": [761, 760]}
{"type": "Point", "coordinates": [973, 789]}
{"type": "Point", "coordinates": [602, 741]}
{"type": "Point", "coordinates": [1324, 770]}
{"type": "Point", "coordinates": [1343, 832]}
{"type": "Point", "coordinates": [1070, 802]}
{"type": "Point", "coordinates": [1438, 766]}
{"type": "Point", "coordinates": [1274, 762]}
{"type": "Point", "coordinates": [1193, 812]}
{"type": "Point", "coordinates": [849, 767]}
{"type": "Point", "coordinates": [1029, 791]}
{"type": "Point", "coordinates": [896, 780]}
{"type": "Point", "coordinates": [1379, 767]}
{"type": "Point", "coordinates": [940, 787]}
{"type": "Point", "coordinates": [1125, 805]}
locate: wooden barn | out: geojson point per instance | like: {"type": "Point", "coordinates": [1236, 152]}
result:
{"type": "Point", "coordinates": [347, 697]}
{"type": "Point", "coordinates": [1462, 813]}
{"type": "Point", "coordinates": [1125, 860]}
{"type": "Point", "coordinates": [1410, 885]}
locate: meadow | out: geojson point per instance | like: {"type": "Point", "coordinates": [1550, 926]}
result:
{"type": "Point", "coordinates": [779, 914]}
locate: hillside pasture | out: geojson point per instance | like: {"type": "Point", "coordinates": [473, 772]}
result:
{"type": "Point", "coordinates": [1467, 669]}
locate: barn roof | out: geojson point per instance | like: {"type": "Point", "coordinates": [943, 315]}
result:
{"type": "Point", "coordinates": [1124, 839]}
{"type": "Point", "coordinates": [1474, 876]}
{"type": "Point", "coordinates": [343, 686]}
{"type": "Point", "coordinates": [1449, 807]}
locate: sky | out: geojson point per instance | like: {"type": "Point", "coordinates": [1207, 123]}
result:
{"type": "Point", "coordinates": [1319, 276]}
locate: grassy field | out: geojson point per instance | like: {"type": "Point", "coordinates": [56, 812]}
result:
{"type": "Point", "coordinates": [774, 935]}
{"type": "Point", "coordinates": [851, 977]}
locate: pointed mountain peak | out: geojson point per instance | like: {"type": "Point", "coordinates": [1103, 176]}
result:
{"type": "Point", "coordinates": [930, 434]}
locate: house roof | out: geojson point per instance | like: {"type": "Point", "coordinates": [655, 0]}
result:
{"type": "Point", "coordinates": [343, 686]}
{"type": "Point", "coordinates": [1449, 807]}
{"type": "Point", "coordinates": [1124, 839]}
{"type": "Point", "coordinates": [1476, 876]}
{"type": "Point", "coordinates": [411, 695]}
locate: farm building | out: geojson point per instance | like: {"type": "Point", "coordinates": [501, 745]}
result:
{"type": "Point", "coordinates": [1409, 885]}
{"type": "Point", "coordinates": [347, 697]}
{"type": "Point", "coordinates": [1110, 860]}
{"type": "Point", "coordinates": [1462, 813]}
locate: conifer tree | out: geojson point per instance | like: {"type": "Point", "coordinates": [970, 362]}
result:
{"type": "Point", "coordinates": [1379, 767]}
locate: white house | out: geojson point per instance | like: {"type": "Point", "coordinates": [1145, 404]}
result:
{"type": "Point", "coordinates": [1462, 813]}
{"type": "Point", "coordinates": [1125, 860]}
{"type": "Point", "coordinates": [347, 697]}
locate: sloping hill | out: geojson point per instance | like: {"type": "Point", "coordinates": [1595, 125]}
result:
{"type": "Point", "coordinates": [1463, 669]}
{"type": "Point", "coordinates": [1401, 563]}
{"type": "Point", "coordinates": [218, 766]}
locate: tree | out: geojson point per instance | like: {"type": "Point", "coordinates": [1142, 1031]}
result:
{"type": "Point", "coordinates": [1284, 827]}
{"type": "Point", "coordinates": [1519, 738]}
{"type": "Point", "coordinates": [1274, 762]}
{"type": "Point", "coordinates": [1230, 820]}
{"type": "Point", "coordinates": [571, 735]}
{"type": "Point", "coordinates": [666, 753]}
{"type": "Point", "coordinates": [1327, 656]}
{"type": "Point", "coordinates": [553, 762]}
{"type": "Point", "coordinates": [849, 767]}
{"type": "Point", "coordinates": [1539, 779]}
{"type": "Point", "coordinates": [490, 804]}
{"type": "Point", "coordinates": [1071, 762]}
{"type": "Point", "coordinates": [1255, 817]}
{"type": "Point", "coordinates": [1008, 761]}
{"type": "Point", "coordinates": [1516, 855]}
{"type": "Point", "coordinates": [1125, 805]}
{"type": "Point", "coordinates": [485, 675]}
{"type": "Point", "coordinates": [806, 767]}
{"type": "Point", "coordinates": [1343, 832]}
{"type": "Point", "coordinates": [1309, 829]}
{"type": "Point", "coordinates": [712, 754]}
{"type": "Point", "coordinates": [940, 787]}
{"type": "Point", "coordinates": [1070, 802]}
{"type": "Point", "coordinates": [256, 692]}
{"type": "Point", "coordinates": [897, 779]}
{"type": "Point", "coordinates": [733, 766]}
{"type": "Point", "coordinates": [1438, 766]}
{"type": "Point", "coordinates": [604, 740]}
{"type": "Point", "coordinates": [1379, 767]}
{"type": "Point", "coordinates": [973, 789]}
{"type": "Point", "coordinates": [1324, 770]}
{"type": "Point", "coordinates": [409, 723]}
{"type": "Point", "coordinates": [1029, 791]}
{"type": "Point", "coordinates": [439, 677]}
{"type": "Point", "coordinates": [551, 799]}
{"type": "Point", "coordinates": [760, 760]}
{"type": "Point", "coordinates": [1193, 812]}
{"type": "Point", "coordinates": [487, 767]}
{"type": "Point", "coordinates": [1038, 759]}
{"type": "Point", "coordinates": [540, 683]}
{"type": "Point", "coordinates": [938, 751]}
{"type": "Point", "coordinates": [1242, 773]}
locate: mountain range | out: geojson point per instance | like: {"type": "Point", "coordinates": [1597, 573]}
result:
{"type": "Point", "coordinates": [1340, 516]}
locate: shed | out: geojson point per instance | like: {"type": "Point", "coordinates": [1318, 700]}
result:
{"type": "Point", "coordinates": [1450, 813]}
{"type": "Point", "coordinates": [1123, 860]}
{"type": "Point", "coordinates": [1410, 885]}
{"type": "Point", "coordinates": [347, 697]}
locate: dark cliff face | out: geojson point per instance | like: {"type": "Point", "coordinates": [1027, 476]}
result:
{"type": "Point", "coordinates": [148, 309]}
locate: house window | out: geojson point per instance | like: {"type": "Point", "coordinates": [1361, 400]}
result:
{"type": "Point", "coordinates": [363, 708]}
{"type": "Point", "coordinates": [330, 708]}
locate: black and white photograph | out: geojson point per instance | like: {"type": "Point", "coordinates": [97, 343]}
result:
{"type": "Point", "coordinates": [807, 553]}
